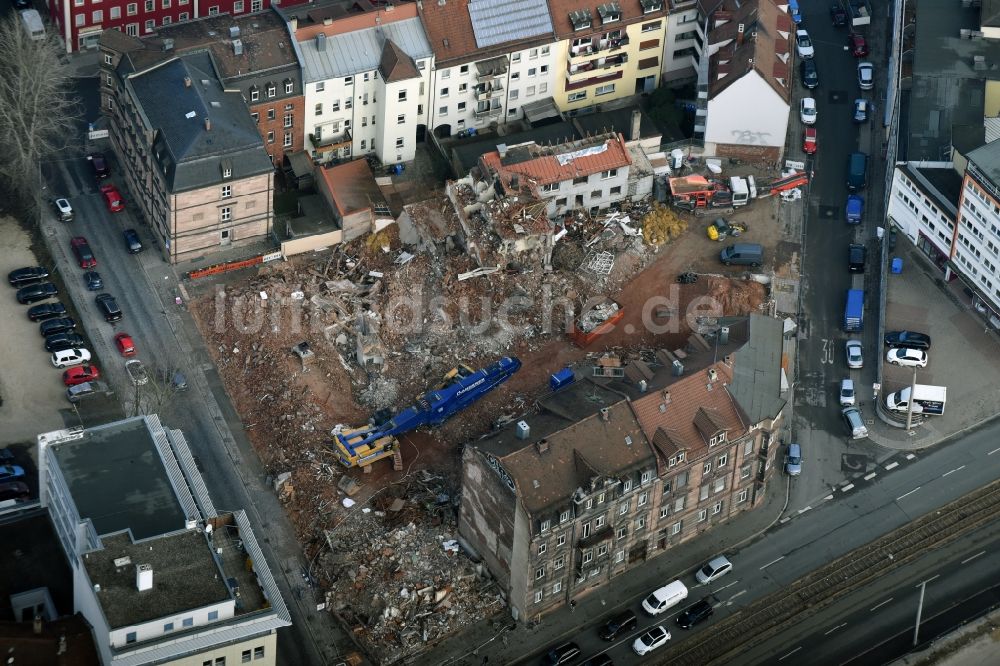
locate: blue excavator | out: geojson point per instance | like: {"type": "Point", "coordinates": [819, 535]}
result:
{"type": "Point", "coordinates": [462, 386]}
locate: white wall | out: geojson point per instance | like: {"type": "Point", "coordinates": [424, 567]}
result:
{"type": "Point", "coordinates": [680, 23]}
{"type": "Point", "coordinates": [915, 214]}
{"type": "Point", "coordinates": [154, 630]}
{"type": "Point", "coordinates": [750, 112]}
{"type": "Point", "coordinates": [389, 131]}
{"type": "Point", "coordinates": [595, 182]}
{"type": "Point", "coordinates": [977, 252]}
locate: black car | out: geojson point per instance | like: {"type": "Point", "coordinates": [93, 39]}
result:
{"type": "Point", "coordinates": [564, 654]}
{"type": "Point", "coordinates": [46, 311]}
{"type": "Point", "coordinates": [838, 16]}
{"type": "Point", "coordinates": [60, 325]}
{"type": "Point", "coordinates": [620, 624]}
{"type": "Point", "coordinates": [36, 292]}
{"type": "Point", "coordinates": [100, 165]}
{"type": "Point", "coordinates": [108, 306]}
{"type": "Point", "coordinates": [857, 254]}
{"type": "Point", "coordinates": [810, 75]}
{"type": "Point", "coordinates": [94, 280]}
{"type": "Point", "coordinates": [66, 340]}
{"type": "Point", "coordinates": [695, 613]}
{"type": "Point", "coordinates": [28, 275]}
{"type": "Point", "coordinates": [132, 241]}
{"type": "Point", "coordinates": [908, 339]}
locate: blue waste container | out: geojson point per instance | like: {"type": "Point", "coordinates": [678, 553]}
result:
{"type": "Point", "coordinates": [561, 379]}
{"type": "Point", "coordinates": [897, 265]}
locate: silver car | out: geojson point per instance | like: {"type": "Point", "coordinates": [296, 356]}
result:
{"type": "Point", "coordinates": [854, 358]}
{"type": "Point", "coordinates": [847, 396]}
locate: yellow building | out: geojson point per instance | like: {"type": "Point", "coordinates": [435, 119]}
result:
{"type": "Point", "coordinates": [606, 52]}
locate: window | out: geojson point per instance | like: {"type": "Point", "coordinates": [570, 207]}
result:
{"type": "Point", "coordinates": [444, 92]}
{"type": "Point", "coordinates": [541, 549]}
{"type": "Point", "coordinates": [647, 475]}
{"type": "Point", "coordinates": [238, 7]}
{"type": "Point", "coordinates": [150, 25]}
{"type": "Point", "coordinates": [546, 524]}
{"type": "Point", "coordinates": [289, 86]}
{"type": "Point", "coordinates": [664, 511]}
{"type": "Point", "coordinates": [556, 587]}
{"type": "Point", "coordinates": [464, 69]}
{"type": "Point", "coordinates": [563, 517]}
{"type": "Point", "coordinates": [707, 468]}
{"type": "Point", "coordinates": [588, 557]}
{"type": "Point", "coordinates": [443, 111]}
{"type": "Point", "coordinates": [132, 29]}
{"type": "Point", "coordinates": [225, 214]}
{"type": "Point", "coordinates": [321, 86]}
{"type": "Point", "coordinates": [600, 498]}
{"type": "Point", "coordinates": [227, 191]}
{"type": "Point", "coordinates": [539, 573]}
{"type": "Point", "coordinates": [599, 523]}
{"type": "Point", "coordinates": [717, 508]}
{"type": "Point", "coordinates": [619, 556]}
{"type": "Point", "coordinates": [402, 96]}
{"type": "Point", "coordinates": [561, 201]}
{"type": "Point", "coordinates": [319, 109]}
{"type": "Point", "coordinates": [401, 119]}
{"type": "Point", "coordinates": [679, 503]}
{"type": "Point", "coordinates": [364, 121]}
{"type": "Point", "coordinates": [287, 120]}
{"type": "Point", "coordinates": [617, 189]}
{"type": "Point", "coordinates": [287, 140]}
{"type": "Point", "coordinates": [594, 572]}
{"type": "Point", "coordinates": [623, 509]}
{"type": "Point", "coordinates": [187, 622]}
{"type": "Point", "coordinates": [131, 9]}
{"type": "Point", "coordinates": [529, 91]}
{"type": "Point", "coordinates": [577, 96]}
{"type": "Point", "coordinates": [445, 73]}
{"type": "Point", "coordinates": [516, 57]}
{"type": "Point", "coordinates": [213, 11]}
{"type": "Point", "coordinates": [532, 71]}
{"type": "Point", "coordinates": [270, 114]}
{"type": "Point", "coordinates": [150, 5]}
{"type": "Point", "coordinates": [245, 657]}
{"type": "Point", "coordinates": [703, 492]}
{"type": "Point", "coordinates": [682, 478]}
{"type": "Point", "coordinates": [512, 111]}
{"type": "Point", "coordinates": [515, 76]}
{"type": "Point", "coordinates": [745, 471]}
{"type": "Point", "coordinates": [255, 116]}
{"type": "Point", "coordinates": [169, 626]}
{"type": "Point", "coordinates": [254, 94]}
{"type": "Point", "coordinates": [748, 448]}
{"type": "Point", "coordinates": [627, 485]}
{"type": "Point", "coordinates": [602, 550]}
{"type": "Point", "coordinates": [461, 107]}
{"type": "Point", "coordinates": [183, 16]}
{"type": "Point", "coordinates": [363, 142]}
{"type": "Point", "coordinates": [538, 597]}
{"type": "Point", "coordinates": [213, 615]}
{"type": "Point", "coordinates": [532, 54]}
{"type": "Point", "coordinates": [544, 69]}
{"type": "Point", "coordinates": [116, 13]}
{"type": "Point", "coordinates": [723, 459]}
{"type": "Point", "coordinates": [702, 516]}
{"type": "Point", "coordinates": [604, 90]}
{"type": "Point", "coordinates": [611, 173]}
{"type": "Point", "coordinates": [651, 27]}
{"type": "Point", "coordinates": [559, 562]}
{"type": "Point", "coordinates": [676, 527]}
{"type": "Point", "coordinates": [586, 530]}
{"type": "Point", "coordinates": [130, 637]}
{"type": "Point", "coordinates": [642, 499]}
{"type": "Point", "coordinates": [622, 532]}
{"type": "Point", "coordinates": [543, 87]}
{"type": "Point", "coordinates": [720, 485]}
{"type": "Point", "coordinates": [742, 497]}
{"type": "Point", "coordinates": [513, 94]}
{"type": "Point", "coordinates": [640, 523]}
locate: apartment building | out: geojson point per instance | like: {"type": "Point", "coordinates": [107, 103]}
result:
{"type": "Point", "coordinates": [976, 248]}
{"type": "Point", "coordinates": [923, 205]}
{"type": "Point", "coordinates": [610, 473]}
{"type": "Point", "coordinates": [492, 57]}
{"type": "Point", "coordinates": [250, 53]}
{"type": "Point", "coordinates": [79, 23]}
{"type": "Point", "coordinates": [606, 51]}
{"type": "Point", "coordinates": [160, 575]}
{"type": "Point", "coordinates": [684, 42]}
{"type": "Point", "coordinates": [191, 156]}
{"type": "Point", "coordinates": [367, 72]}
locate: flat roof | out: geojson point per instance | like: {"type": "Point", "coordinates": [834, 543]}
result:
{"type": "Point", "coordinates": [941, 184]}
{"type": "Point", "coordinates": [118, 481]}
{"type": "Point", "coordinates": [185, 577]}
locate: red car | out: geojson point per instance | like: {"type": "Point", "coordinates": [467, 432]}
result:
{"type": "Point", "coordinates": [809, 142]}
{"type": "Point", "coordinates": [113, 198]}
{"type": "Point", "coordinates": [81, 249]}
{"type": "Point", "coordinates": [857, 44]}
{"type": "Point", "coordinates": [125, 345]}
{"type": "Point", "coordinates": [80, 374]}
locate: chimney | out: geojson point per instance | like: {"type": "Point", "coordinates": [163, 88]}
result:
{"type": "Point", "coordinates": [678, 368]}
{"type": "Point", "coordinates": [294, 23]}
{"type": "Point", "coordinates": [238, 47]}
{"type": "Point", "coordinates": [328, 21]}
{"type": "Point", "coordinates": [144, 577]}
{"type": "Point", "coordinates": [605, 414]}
{"type": "Point", "coordinates": [187, 81]}
{"type": "Point", "coordinates": [724, 335]}
{"type": "Point", "coordinates": [636, 123]}
{"type": "Point", "coordinates": [739, 34]}
{"type": "Point", "coordinates": [542, 446]}
{"type": "Point", "coordinates": [208, 124]}
{"type": "Point", "coordinates": [502, 149]}
{"type": "Point", "coordinates": [522, 430]}
{"type": "Point", "coordinates": [234, 32]}
{"type": "Point", "coordinates": [729, 360]}
{"type": "Point", "coordinates": [713, 375]}
{"type": "Point", "coordinates": [665, 397]}
{"type": "Point", "coordinates": [321, 42]}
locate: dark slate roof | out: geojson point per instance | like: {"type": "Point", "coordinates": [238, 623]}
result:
{"type": "Point", "coordinates": [395, 65]}
{"type": "Point", "coordinates": [190, 155]}
{"type": "Point", "coordinates": [987, 159]}
{"type": "Point", "coordinates": [756, 382]}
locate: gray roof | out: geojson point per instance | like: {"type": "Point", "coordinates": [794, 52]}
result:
{"type": "Point", "coordinates": [498, 21]}
{"type": "Point", "coordinates": [360, 51]}
{"type": "Point", "coordinates": [942, 184]}
{"type": "Point", "coordinates": [987, 159]}
{"type": "Point", "coordinates": [190, 155]}
{"type": "Point", "coordinates": [990, 13]}
{"type": "Point", "coordinates": [946, 89]}
{"type": "Point", "coordinates": [757, 373]}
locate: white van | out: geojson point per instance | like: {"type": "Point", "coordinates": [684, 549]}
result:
{"type": "Point", "coordinates": [665, 598]}
{"type": "Point", "coordinates": [33, 24]}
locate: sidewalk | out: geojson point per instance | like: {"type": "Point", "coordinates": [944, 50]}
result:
{"type": "Point", "coordinates": [493, 637]}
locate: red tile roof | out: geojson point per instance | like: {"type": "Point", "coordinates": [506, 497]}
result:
{"type": "Point", "coordinates": [450, 33]}
{"type": "Point", "coordinates": [544, 165]}
{"type": "Point", "coordinates": [352, 186]}
{"type": "Point", "coordinates": [764, 46]}
{"type": "Point", "coordinates": [395, 64]}
{"type": "Point", "coordinates": [631, 12]}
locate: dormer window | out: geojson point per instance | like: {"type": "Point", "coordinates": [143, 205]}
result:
{"type": "Point", "coordinates": [226, 166]}
{"type": "Point", "coordinates": [581, 19]}
{"type": "Point", "coordinates": [650, 6]}
{"type": "Point", "coordinates": [254, 93]}
{"type": "Point", "coordinates": [610, 12]}
{"type": "Point", "coordinates": [271, 90]}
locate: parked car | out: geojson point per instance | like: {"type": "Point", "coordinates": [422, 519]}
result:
{"type": "Point", "coordinates": [854, 209]}
{"type": "Point", "coordinates": [46, 311]}
{"type": "Point", "coordinates": [855, 361]}
{"type": "Point", "coordinates": [854, 422]}
{"type": "Point", "coordinates": [86, 390]}
{"type": "Point", "coordinates": [715, 569]}
{"type": "Point", "coordinates": [36, 292]}
{"type": "Point", "coordinates": [809, 141]}
{"type": "Point", "coordinates": [807, 111]}
{"type": "Point", "coordinates": [113, 198]}
{"type": "Point", "coordinates": [857, 255]}
{"type": "Point", "coordinates": [124, 344]}
{"type": "Point", "coordinates": [81, 249]}
{"type": "Point", "coordinates": [908, 339]}
{"type": "Point", "coordinates": [93, 280]}
{"type": "Point", "coordinates": [64, 341]}
{"type": "Point", "coordinates": [57, 325]}
{"type": "Point", "coordinates": [793, 460]}
{"type": "Point", "coordinates": [857, 44]}
{"type": "Point", "coordinates": [810, 74]}
{"type": "Point", "coordinates": [100, 165]}
{"type": "Point", "coordinates": [63, 209]}
{"type": "Point", "coordinates": [866, 75]}
{"type": "Point", "coordinates": [136, 372]}
{"type": "Point", "coordinates": [22, 277]}
{"type": "Point", "coordinates": [838, 16]}
{"type": "Point", "coordinates": [564, 654]}
{"type": "Point", "coordinates": [178, 381]}
{"type": "Point", "coordinates": [11, 472]}
{"type": "Point", "coordinates": [665, 598]}
{"type": "Point", "coordinates": [132, 242]}
{"type": "Point", "coordinates": [14, 490]}
{"type": "Point", "coordinates": [108, 306]}
{"type": "Point", "coordinates": [652, 639]}
{"type": "Point", "coordinates": [861, 107]}
{"type": "Point", "coordinates": [804, 45]}
{"type": "Point", "coordinates": [80, 374]}
{"type": "Point", "coordinates": [847, 396]}
{"type": "Point", "coordinates": [67, 357]}
{"type": "Point", "coordinates": [622, 623]}
{"type": "Point", "coordinates": [694, 614]}
{"type": "Point", "coordinates": [911, 358]}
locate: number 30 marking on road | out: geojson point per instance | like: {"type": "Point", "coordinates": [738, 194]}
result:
{"type": "Point", "coordinates": [827, 356]}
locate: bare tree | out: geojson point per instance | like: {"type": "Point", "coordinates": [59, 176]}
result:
{"type": "Point", "coordinates": [37, 109]}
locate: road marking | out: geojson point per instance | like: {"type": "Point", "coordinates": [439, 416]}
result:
{"type": "Point", "coordinates": [828, 497]}
{"type": "Point", "coordinates": [847, 487]}
{"type": "Point", "coordinates": [909, 493]}
{"type": "Point", "coordinates": [953, 471]}
{"type": "Point", "coordinates": [869, 477]}
{"type": "Point", "coordinates": [725, 586]}
{"type": "Point", "coordinates": [891, 465]}
{"type": "Point", "coordinates": [741, 592]}
{"type": "Point", "coordinates": [772, 562]}
{"type": "Point", "coordinates": [790, 653]}
{"type": "Point", "coordinates": [839, 626]}
{"type": "Point", "coordinates": [785, 520]}
{"type": "Point", "coordinates": [992, 452]}
{"type": "Point", "coordinates": [972, 557]}
{"type": "Point", "coordinates": [881, 604]}
{"type": "Point", "coordinates": [924, 582]}
{"type": "Point", "coordinates": [910, 456]}
{"type": "Point", "coordinates": [805, 509]}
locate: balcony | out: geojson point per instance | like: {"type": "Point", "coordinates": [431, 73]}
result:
{"type": "Point", "coordinates": [488, 91]}
{"type": "Point", "coordinates": [487, 70]}
{"type": "Point", "coordinates": [332, 142]}
{"type": "Point", "coordinates": [609, 44]}
{"type": "Point", "coordinates": [598, 67]}
{"type": "Point", "coordinates": [488, 113]}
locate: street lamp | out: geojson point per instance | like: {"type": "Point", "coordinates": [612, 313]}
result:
{"type": "Point", "coordinates": [909, 404]}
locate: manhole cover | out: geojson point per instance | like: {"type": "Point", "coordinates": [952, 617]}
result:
{"type": "Point", "coordinates": [853, 462]}
{"type": "Point", "coordinates": [837, 97]}
{"type": "Point", "coordinates": [828, 212]}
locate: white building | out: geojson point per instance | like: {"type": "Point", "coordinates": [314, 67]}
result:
{"type": "Point", "coordinates": [158, 573]}
{"type": "Point", "coordinates": [923, 205]}
{"type": "Point", "coordinates": [367, 80]}
{"type": "Point", "coordinates": [977, 240]}
{"type": "Point", "coordinates": [682, 47]}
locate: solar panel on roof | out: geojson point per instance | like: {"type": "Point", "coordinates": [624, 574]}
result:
{"type": "Point", "coordinates": [498, 21]}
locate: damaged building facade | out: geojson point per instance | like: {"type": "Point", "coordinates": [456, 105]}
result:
{"type": "Point", "coordinates": [610, 473]}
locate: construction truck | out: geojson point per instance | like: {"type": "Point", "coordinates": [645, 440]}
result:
{"type": "Point", "coordinates": [698, 194]}
{"type": "Point", "coordinates": [462, 386]}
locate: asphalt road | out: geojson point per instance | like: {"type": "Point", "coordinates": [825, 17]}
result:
{"type": "Point", "coordinates": [833, 528]}
{"type": "Point", "coordinates": [821, 360]}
